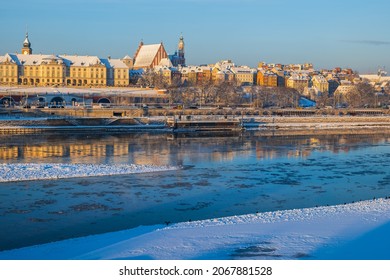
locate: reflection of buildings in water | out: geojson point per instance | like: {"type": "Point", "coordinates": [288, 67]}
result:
{"type": "Point", "coordinates": [96, 150]}
{"type": "Point", "coordinates": [298, 153]}
{"type": "Point", "coordinates": [74, 151]}
{"type": "Point", "coordinates": [44, 151]}
{"type": "Point", "coordinates": [120, 149]}
{"type": "Point", "coordinates": [222, 156]}
{"type": "Point", "coordinates": [151, 149]}
{"type": "Point", "coordinates": [314, 142]}
{"type": "Point", "coordinates": [291, 148]}
{"type": "Point", "coordinates": [343, 140]}
{"type": "Point", "coordinates": [265, 154]}
{"type": "Point", "coordinates": [9, 153]}
{"type": "Point", "coordinates": [140, 157]}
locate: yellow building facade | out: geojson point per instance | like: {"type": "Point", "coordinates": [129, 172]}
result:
{"type": "Point", "coordinates": [267, 78]}
{"type": "Point", "coordinates": [8, 72]}
{"type": "Point", "coordinates": [320, 83]}
{"type": "Point", "coordinates": [244, 75]}
{"type": "Point", "coordinates": [62, 70]}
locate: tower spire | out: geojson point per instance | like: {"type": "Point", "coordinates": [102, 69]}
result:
{"type": "Point", "coordinates": [180, 49]}
{"type": "Point", "coordinates": [26, 45]}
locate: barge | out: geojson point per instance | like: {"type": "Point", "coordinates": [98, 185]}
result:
{"type": "Point", "coordinates": [192, 124]}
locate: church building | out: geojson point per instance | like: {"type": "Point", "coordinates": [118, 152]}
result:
{"type": "Point", "coordinates": [150, 56]}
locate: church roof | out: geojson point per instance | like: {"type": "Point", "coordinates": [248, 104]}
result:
{"type": "Point", "coordinates": [146, 55]}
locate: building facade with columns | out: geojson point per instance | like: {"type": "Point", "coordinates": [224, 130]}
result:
{"type": "Point", "coordinates": [62, 70]}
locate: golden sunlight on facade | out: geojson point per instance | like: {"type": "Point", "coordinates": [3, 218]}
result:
{"type": "Point", "coordinates": [62, 70]}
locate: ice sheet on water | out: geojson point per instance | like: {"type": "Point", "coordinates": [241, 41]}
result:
{"type": "Point", "coordinates": [39, 171]}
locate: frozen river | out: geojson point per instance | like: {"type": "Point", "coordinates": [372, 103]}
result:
{"type": "Point", "coordinates": [221, 176]}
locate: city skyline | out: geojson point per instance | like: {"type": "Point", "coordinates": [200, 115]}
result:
{"type": "Point", "coordinates": [348, 34]}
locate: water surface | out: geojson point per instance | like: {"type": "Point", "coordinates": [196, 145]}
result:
{"type": "Point", "coordinates": [222, 176]}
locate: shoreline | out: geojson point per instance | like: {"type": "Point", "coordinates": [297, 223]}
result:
{"type": "Point", "coordinates": [267, 125]}
{"type": "Point", "coordinates": [275, 235]}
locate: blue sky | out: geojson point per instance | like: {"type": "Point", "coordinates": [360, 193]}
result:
{"type": "Point", "coordinates": [345, 33]}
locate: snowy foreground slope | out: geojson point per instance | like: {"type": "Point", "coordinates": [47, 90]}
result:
{"type": "Point", "coordinates": [353, 231]}
{"type": "Point", "coordinates": [42, 171]}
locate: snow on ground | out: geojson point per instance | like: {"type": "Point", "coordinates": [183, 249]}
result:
{"type": "Point", "coordinates": [75, 90]}
{"type": "Point", "coordinates": [352, 231]}
{"type": "Point", "coordinates": [42, 171]}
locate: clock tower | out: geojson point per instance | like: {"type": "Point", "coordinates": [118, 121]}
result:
{"type": "Point", "coordinates": [180, 47]}
{"type": "Point", "coordinates": [26, 46]}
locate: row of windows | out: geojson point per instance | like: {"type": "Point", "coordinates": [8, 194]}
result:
{"type": "Point", "coordinates": [6, 67]}
{"type": "Point", "coordinates": [85, 69]}
{"type": "Point", "coordinates": [7, 80]}
{"type": "Point", "coordinates": [6, 73]}
{"type": "Point", "coordinates": [88, 76]}
{"type": "Point", "coordinates": [36, 70]}
{"type": "Point", "coordinates": [60, 81]}
{"type": "Point", "coordinates": [44, 67]}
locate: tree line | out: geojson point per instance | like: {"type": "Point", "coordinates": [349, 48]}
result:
{"type": "Point", "coordinates": [230, 93]}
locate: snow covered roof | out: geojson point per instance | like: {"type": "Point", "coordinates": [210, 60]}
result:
{"type": "Point", "coordinates": [298, 77]}
{"type": "Point", "coordinates": [6, 57]}
{"type": "Point", "coordinates": [267, 72]}
{"type": "Point", "coordinates": [224, 64]}
{"type": "Point", "coordinates": [83, 60]}
{"type": "Point", "coordinates": [320, 79]}
{"type": "Point", "coordinates": [69, 60]}
{"type": "Point", "coordinates": [165, 62]}
{"type": "Point", "coordinates": [375, 77]}
{"type": "Point", "coordinates": [126, 57]}
{"type": "Point", "coordinates": [146, 55]}
{"type": "Point", "coordinates": [113, 63]}
{"type": "Point", "coordinates": [194, 69]}
{"type": "Point", "coordinates": [32, 59]}
{"type": "Point", "coordinates": [117, 63]}
{"type": "Point", "coordinates": [242, 70]}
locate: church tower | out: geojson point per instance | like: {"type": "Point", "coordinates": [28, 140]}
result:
{"type": "Point", "coordinates": [180, 48]}
{"type": "Point", "coordinates": [26, 46]}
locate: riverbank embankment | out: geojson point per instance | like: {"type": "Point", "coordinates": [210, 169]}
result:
{"type": "Point", "coordinates": [270, 124]}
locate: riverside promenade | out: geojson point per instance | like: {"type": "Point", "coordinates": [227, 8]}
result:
{"type": "Point", "coordinates": [155, 120]}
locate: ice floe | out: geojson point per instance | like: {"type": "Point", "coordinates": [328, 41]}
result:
{"type": "Point", "coordinates": [47, 171]}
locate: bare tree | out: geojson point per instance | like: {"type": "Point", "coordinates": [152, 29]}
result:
{"type": "Point", "coordinates": [322, 99]}
{"type": "Point", "coordinates": [206, 92]}
{"type": "Point", "coordinates": [367, 93]}
{"type": "Point", "coordinates": [362, 95]}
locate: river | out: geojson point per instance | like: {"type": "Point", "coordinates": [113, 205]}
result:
{"type": "Point", "coordinates": [222, 175]}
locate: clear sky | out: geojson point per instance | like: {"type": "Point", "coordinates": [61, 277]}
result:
{"type": "Point", "coordinates": [345, 33]}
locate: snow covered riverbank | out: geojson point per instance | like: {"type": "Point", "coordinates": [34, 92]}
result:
{"type": "Point", "coordinates": [41, 171]}
{"type": "Point", "coordinates": [352, 231]}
